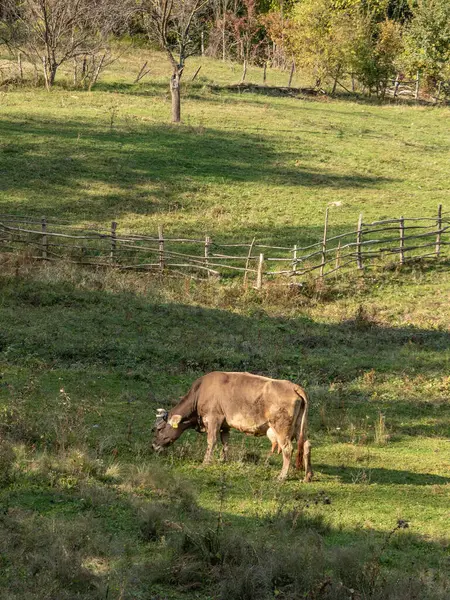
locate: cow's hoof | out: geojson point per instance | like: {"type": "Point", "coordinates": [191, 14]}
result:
{"type": "Point", "coordinates": [308, 478]}
{"type": "Point", "coordinates": [282, 478]}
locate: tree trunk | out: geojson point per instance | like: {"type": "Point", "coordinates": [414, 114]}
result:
{"type": "Point", "coordinates": [224, 12]}
{"type": "Point", "coordinates": [53, 67]}
{"type": "Point", "coordinates": [335, 82]}
{"type": "Point", "coordinates": [175, 92]}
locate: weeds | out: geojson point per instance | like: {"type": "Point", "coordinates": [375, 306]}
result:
{"type": "Point", "coordinates": [373, 567]}
{"type": "Point", "coordinates": [50, 555]}
{"type": "Point", "coordinates": [381, 434]}
{"type": "Point", "coordinates": [7, 458]}
{"type": "Point", "coordinates": [364, 319]}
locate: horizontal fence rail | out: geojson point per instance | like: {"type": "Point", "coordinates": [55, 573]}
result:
{"type": "Point", "coordinates": [399, 240]}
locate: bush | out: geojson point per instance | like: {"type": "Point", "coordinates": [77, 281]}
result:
{"type": "Point", "coordinates": [7, 458]}
{"type": "Point", "coordinates": [427, 40]}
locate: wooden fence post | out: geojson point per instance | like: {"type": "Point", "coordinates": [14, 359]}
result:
{"type": "Point", "coordinates": [244, 70]}
{"type": "Point", "coordinates": [44, 238]}
{"type": "Point", "coordinates": [141, 73]}
{"type": "Point", "coordinates": [324, 243]}
{"type": "Point", "coordinates": [161, 247]}
{"type": "Point", "coordinates": [196, 73]}
{"type": "Point", "coordinates": [19, 64]}
{"type": "Point", "coordinates": [338, 256]}
{"type": "Point", "coordinates": [416, 93]}
{"type": "Point", "coordinates": [436, 98]}
{"type": "Point", "coordinates": [291, 74]}
{"type": "Point", "coordinates": [396, 84]}
{"type": "Point", "coordinates": [207, 246]}
{"type": "Point", "coordinates": [359, 260]}
{"type": "Point", "coordinates": [44, 64]}
{"type": "Point", "coordinates": [265, 73]}
{"type": "Point", "coordinates": [112, 254]}
{"type": "Point", "coordinates": [247, 262]}
{"type": "Point", "coordinates": [439, 226]}
{"type": "Point", "coordinates": [259, 274]}
{"type": "Point", "coordinates": [402, 240]}
{"type": "Point", "coordinates": [294, 261]}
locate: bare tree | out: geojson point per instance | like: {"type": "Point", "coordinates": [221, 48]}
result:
{"type": "Point", "coordinates": [173, 24]}
{"type": "Point", "coordinates": [52, 32]}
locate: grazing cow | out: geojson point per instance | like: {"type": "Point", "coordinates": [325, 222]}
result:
{"type": "Point", "coordinates": [249, 403]}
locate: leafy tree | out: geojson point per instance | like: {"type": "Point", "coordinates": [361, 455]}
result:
{"type": "Point", "coordinates": [317, 35]}
{"type": "Point", "coordinates": [375, 49]}
{"type": "Point", "coordinates": [427, 39]}
{"type": "Point", "coordinates": [333, 36]}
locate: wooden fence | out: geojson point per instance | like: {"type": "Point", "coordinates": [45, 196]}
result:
{"type": "Point", "coordinates": [369, 244]}
{"type": "Point", "coordinates": [402, 87]}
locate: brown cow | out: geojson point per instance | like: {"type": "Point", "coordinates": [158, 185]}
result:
{"type": "Point", "coordinates": [250, 403]}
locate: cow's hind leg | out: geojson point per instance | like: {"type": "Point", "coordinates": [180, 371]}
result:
{"type": "Point", "coordinates": [286, 448]}
{"type": "Point", "coordinates": [213, 433]}
{"type": "Point", "coordinates": [225, 436]}
{"type": "Point", "coordinates": [307, 461]}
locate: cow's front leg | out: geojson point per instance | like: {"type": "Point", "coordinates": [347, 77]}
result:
{"type": "Point", "coordinates": [225, 436]}
{"type": "Point", "coordinates": [286, 449]}
{"type": "Point", "coordinates": [213, 431]}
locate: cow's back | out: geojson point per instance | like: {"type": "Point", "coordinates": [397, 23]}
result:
{"type": "Point", "coordinates": [247, 402]}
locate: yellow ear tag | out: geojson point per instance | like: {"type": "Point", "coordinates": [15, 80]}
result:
{"type": "Point", "coordinates": [174, 425]}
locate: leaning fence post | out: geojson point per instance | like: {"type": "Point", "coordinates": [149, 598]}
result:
{"type": "Point", "coordinates": [338, 256]}
{"type": "Point", "coordinates": [247, 262]}
{"type": "Point", "coordinates": [112, 254]}
{"type": "Point", "coordinates": [44, 238]}
{"type": "Point", "coordinates": [244, 70]}
{"type": "Point", "coordinates": [196, 73]}
{"type": "Point", "coordinates": [294, 261]}
{"type": "Point", "coordinates": [359, 261]}
{"type": "Point", "coordinates": [402, 240]}
{"type": "Point", "coordinates": [259, 273]}
{"type": "Point", "coordinates": [161, 247]}
{"type": "Point", "coordinates": [291, 74]}
{"type": "Point", "coordinates": [439, 227]}
{"type": "Point", "coordinates": [324, 243]}
{"type": "Point", "coordinates": [207, 246]}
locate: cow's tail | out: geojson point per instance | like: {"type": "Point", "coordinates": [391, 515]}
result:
{"type": "Point", "coordinates": [303, 426]}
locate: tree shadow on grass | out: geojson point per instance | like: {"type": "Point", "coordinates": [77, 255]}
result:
{"type": "Point", "coordinates": [195, 90]}
{"type": "Point", "coordinates": [166, 346]}
{"type": "Point", "coordinates": [77, 169]}
{"type": "Point", "coordinates": [375, 475]}
{"type": "Point", "coordinates": [96, 521]}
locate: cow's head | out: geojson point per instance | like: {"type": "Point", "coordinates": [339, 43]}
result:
{"type": "Point", "coordinates": [167, 429]}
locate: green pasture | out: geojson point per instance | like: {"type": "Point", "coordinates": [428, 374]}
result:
{"type": "Point", "coordinates": [86, 356]}
{"type": "Point", "coordinates": [248, 163]}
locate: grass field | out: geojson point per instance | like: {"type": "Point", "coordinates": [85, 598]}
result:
{"type": "Point", "coordinates": [86, 510]}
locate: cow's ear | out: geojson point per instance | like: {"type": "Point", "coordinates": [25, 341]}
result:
{"type": "Point", "coordinates": [175, 420]}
